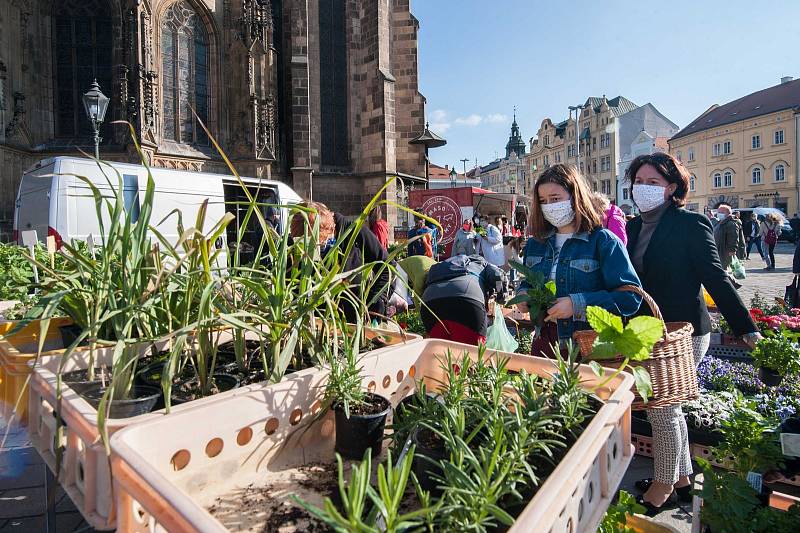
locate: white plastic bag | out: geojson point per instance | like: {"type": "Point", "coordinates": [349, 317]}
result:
{"type": "Point", "coordinates": [737, 268]}
{"type": "Point", "coordinates": [497, 336]}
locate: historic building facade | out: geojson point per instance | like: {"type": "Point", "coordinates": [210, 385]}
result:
{"type": "Point", "coordinates": [507, 174]}
{"type": "Point", "coordinates": [322, 94]}
{"type": "Point", "coordinates": [604, 131]}
{"type": "Point", "coordinates": [745, 152]}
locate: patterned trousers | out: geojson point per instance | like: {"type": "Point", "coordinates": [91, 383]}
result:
{"type": "Point", "coordinates": [671, 455]}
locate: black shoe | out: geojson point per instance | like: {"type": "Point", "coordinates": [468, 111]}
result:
{"type": "Point", "coordinates": [684, 493]}
{"type": "Point", "coordinates": [652, 510]}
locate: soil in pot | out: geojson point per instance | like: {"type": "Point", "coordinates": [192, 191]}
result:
{"type": "Point", "coordinates": [364, 429]}
{"type": "Point", "coordinates": [430, 449]}
{"type": "Point", "coordinates": [142, 399]}
{"type": "Point", "coordinates": [189, 390]}
{"type": "Point", "coordinates": [78, 380]}
{"type": "Point", "coordinates": [769, 377]}
{"type": "Point", "coordinates": [226, 352]}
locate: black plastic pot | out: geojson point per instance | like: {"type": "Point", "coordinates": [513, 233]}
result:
{"type": "Point", "coordinates": [429, 451]}
{"type": "Point", "coordinates": [76, 380]}
{"type": "Point", "coordinates": [142, 400]}
{"type": "Point", "coordinates": [769, 377]}
{"type": "Point", "coordinates": [356, 434]}
{"type": "Point", "coordinates": [224, 382]}
{"type": "Point", "coordinates": [70, 333]}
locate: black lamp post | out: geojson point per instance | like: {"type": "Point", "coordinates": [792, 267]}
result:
{"type": "Point", "coordinates": [453, 178]}
{"type": "Point", "coordinates": [96, 104]}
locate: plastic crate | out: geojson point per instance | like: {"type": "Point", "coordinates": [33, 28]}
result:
{"type": "Point", "coordinates": [731, 353]}
{"type": "Point", "coordinates": [16, 351]}
{"type": "Point", "coordinates": [167, 472]}
{"type": "Point", "coordinates": [642, 444]}
{"type": "Point", "coordinates": [85, 469]}
{"type": "Point", "coordinates": [699, 450]}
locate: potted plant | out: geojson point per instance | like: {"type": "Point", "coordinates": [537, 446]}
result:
{"type": "Point", "coordinates": [360, 416]}
{"type": "Point", "coordinates": [776, 356]}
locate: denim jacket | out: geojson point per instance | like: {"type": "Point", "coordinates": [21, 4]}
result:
{"type": "Point", "coordinates": [590, 266]}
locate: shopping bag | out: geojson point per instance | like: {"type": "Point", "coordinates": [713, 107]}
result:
{"type": "Point", "coordinates": [737, 268]}
{"type": "Point", "coordinates": [497, 336]}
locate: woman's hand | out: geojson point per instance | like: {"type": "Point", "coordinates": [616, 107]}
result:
{"type": "Point", "coordinates": [751, 339]}
{"type": "Point", "coordinates": [560, 310]}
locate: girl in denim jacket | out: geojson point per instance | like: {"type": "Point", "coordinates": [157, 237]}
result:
{"type": "Point", "coordinates": [570, 247]}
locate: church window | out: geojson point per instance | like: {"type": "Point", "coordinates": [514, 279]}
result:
{"type": "Point", "coordinates": [82, 54]}
{"type": "Point", "coordinates": [333, 84]}
{"type": "Point", "coordinates": [184, 74]}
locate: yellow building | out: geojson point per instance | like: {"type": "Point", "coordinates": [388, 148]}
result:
{"type": "Point", "coordinates": [745, 152]}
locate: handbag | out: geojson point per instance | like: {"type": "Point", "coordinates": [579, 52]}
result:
{"type": "Point", "coordinates": [792, 294]}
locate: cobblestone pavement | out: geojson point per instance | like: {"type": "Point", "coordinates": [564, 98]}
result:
{"type": "Point", "coordinates": [768, 283]}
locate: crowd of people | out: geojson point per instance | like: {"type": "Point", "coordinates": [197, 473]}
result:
{"type": "Point", "coordinates": [591, 250]}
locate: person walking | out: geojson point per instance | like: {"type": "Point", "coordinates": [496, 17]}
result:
{"type": "Point", "coordinates": [675, 255]}
{"type": "Point", "coordinates": [491, 244]}
{"type": "Point", "coordinates": [726, 235]}
{"type": "Point", "coordinates": [570, 247]}
{"type": "Point", "coordinates": [770, 231]}
{"type": "Point", "coordinates": [466, 240]}
{"type": "Point", "coordinates": [752, 233]}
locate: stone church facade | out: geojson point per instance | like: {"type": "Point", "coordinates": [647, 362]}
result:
{"type": "Point", "coordinates": [321, 94]}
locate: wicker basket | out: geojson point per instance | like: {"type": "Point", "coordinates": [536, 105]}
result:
{"type": "Point", "coordinates": [671, 365]}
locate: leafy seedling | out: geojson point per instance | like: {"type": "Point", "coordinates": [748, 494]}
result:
{"type": "Point", "coordinates": [541, 292]}
{"type": "Point", "coordinates": [632, 342]}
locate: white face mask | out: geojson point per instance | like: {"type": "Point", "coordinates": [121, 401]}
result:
{"type": "Point", "coordinates": [721, 216]}
{"type": "Point", "coordinates": [559, 214]}
{"type": "Point", "coordinates": [648, 197]}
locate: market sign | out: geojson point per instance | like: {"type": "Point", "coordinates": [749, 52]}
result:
{"type": "Point", "coordinates": [446, 212]}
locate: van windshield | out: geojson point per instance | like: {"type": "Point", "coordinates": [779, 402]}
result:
{"type": "Point", "coordinates": [33, 205]}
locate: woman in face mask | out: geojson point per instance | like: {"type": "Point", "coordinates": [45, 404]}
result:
{"type": "Point", "coordinates": [466, 240]}
{"type": "Point", "coordinates": [570, 246]}
{"type": "Point", "coordinates": [674, 253]}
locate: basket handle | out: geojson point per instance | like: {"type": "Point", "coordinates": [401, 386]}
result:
{"type": "Point", "coordinates": [650, 302]}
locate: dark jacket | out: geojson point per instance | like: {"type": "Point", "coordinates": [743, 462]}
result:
{"type": "Point", "coordinates": [680, 257]}
{"type": "Point", "coordinates": [750, 228]}
{"type": "Point", "coordinates": [726, 237]}
{"type": "Point", "coordinates": [367, 249]}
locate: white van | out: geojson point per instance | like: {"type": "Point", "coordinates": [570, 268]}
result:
{"type": "Point", "coordinates": [53, 201]}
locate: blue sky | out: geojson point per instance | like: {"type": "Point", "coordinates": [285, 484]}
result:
{"type": "Point", "coordinates": [479, 58]}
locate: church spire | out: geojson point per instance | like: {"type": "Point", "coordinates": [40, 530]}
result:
{"type": "Point", "coordinates": [515, 143]}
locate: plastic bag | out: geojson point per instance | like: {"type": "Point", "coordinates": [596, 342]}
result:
{"type": "Point", "coordinates": [737, 268]}
{"type": "Point", "coordinates": [497, 336]}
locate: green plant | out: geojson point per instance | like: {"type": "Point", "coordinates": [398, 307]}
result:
{"type": "Point", "coordinates": [541, 292]}
{"type": "Point", "coordinates": [730, 504]}
{"type": "Point", "coordinates": [617, 514]}
{"type": "Point", "coordinates": [355, 495]}
{"type": "Point", "coordinates": [749, 438]}
{"type": "Point", "coordinates": [343, 386]}
{"type": "Point", "coordinates": [411, 321]}
{"type": "Point", "coordinates": [633, 342]}
{"type": "Point", "coordinates": [525, 340]}
{"type": "Point", "coordinates": [777, 353]}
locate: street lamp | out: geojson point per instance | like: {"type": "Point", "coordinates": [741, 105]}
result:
{"type": "Point", "coordinates": [429, 140]}
{"type": "Point", "coordinates": [577, 108]}
{"type": "Point", "coordinates": [95, 103]}
{"type": "Point", "coordinates": [453, 178]}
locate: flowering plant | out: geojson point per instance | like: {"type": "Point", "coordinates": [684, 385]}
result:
{"type": "Point", "coordinates": [778, 354]}
{"type": "Point", "coordinates": [709, 409]}
{"type": "Point", "coordinates": [715, 374]}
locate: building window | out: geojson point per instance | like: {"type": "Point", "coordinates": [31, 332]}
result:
{"type": "Point", "coordinates": [594, 143]}
{"type": "Point", "coordinates": [717, 180]}
{"type": "Point", "coordinates": [594, 166]}
{"type": "Point", "coordinates": [184, 74]}
{"type": "Point", "coordinates": [780, 172]}
{"type": "Point", "coordinates": [756, 142]}
{"type": "Point", "coordinates": [779, 137]}
{"type": "Point", "coordinates": [546, 160]}
{"type": "Point", "coordinates": [690, 154]}
{"type": "Point", "coordinates": [726, 147]}
{"type": "Point", "coordinates": [728, 178]}
{"type": "Point", "coordinates": [756, 176]}
{"type": "Point", "coordinates": [716, 149]}
{"type": "Point", "coordinates": [513, 190]}
{"type": "Point", "coordinates": [605, 186]}
{"type": "Point", "coordinates": [558, 157]}
{"type": "Point", "coordinates": [692, 182]}
{"type": "Point", "coordinates": [333, 87]}
{"type": "Point", "coordinates": [679, 156]}
{"type": "Point", "coordinates": [83, 45]}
